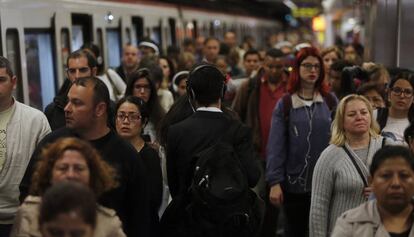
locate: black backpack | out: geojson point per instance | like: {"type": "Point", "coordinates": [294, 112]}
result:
{"type": "Point", "coordinates": [221, 202]}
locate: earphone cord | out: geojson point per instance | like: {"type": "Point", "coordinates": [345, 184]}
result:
{"type": "Point", "coordinates": [301, 178]}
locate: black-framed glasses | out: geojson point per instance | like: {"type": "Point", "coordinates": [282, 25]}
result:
{"type": "Point", "coordinates": [398, 91]}
{"type": "Point", "coordinates": [131, 117]}
{"type": "Point", "coordinates": [81, 70]}
{"type": "Point", "coordinates": [309, 66]}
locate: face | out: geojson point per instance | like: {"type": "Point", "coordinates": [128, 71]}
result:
{"type": "Point", "coordinates": [222, 65]}
{"type": "Point", "coordinates": [329, 59]}
{"type": "Point", "coordinates": [350, 53]}
{"type": "Point", "coordinates": [7, 84]}
{"type": "Point", "coordinates": [309, 70]}
{"type": "Point", "coordinates": [142, 89]}
{"type": "Point", "coordinates": [357, 119]}
{"type": "Point", "coordinates": [146, 51]}
{"type": "Point", "coordinates": [393, 184]}
{"type": "Point", "coordinates": [251, 63]}
{"type": "Point", "coordinates": [78, 68]}
{"type": "Point", "coordinates": [401, 95]}
{"type": "Point", "coordinates": [163, 63]}
{"type": "Point", "coordinates": [199, 43]}
{"type": "Point", "coordinates": [68, 225]}
{"type": "Point", "coordinates": [181, 90]}
{"type": "Point", "coordinates": [130, 56]}
{"type": "Point", "coordinates": [375, 99]}
{"type": "Point", "coordinates": [72, 166]}
{"type": "Point", "coordinates": [335, 80]}
{"type": "Point", "coordinates": [128, 121]}
{"type": "Point", "coordinates": [211, 50]}
{"type": "Point", "coordinates": [230, 39]}
{"type": "Point", "coordinates": [80, 109]}
{"type": "Point", "coordinates": [273, 68]}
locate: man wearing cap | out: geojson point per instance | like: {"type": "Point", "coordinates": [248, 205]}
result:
{"type": "Point", "coordinates": [129, 62]}
{"type": "Point", "coordinates": [148, 48]}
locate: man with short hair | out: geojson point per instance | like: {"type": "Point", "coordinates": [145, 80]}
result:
{"type": "Point", "coordinates": [129, 61]}
{"type": "Point", "coordinates": [211, 50]}
{"type": "Point", "coordinates": [251, 62]}
{"type": "Point", "coordinates": [21, 129]}
{"type": "Point", "coordinates": [255, 101]}
{"type": "Point", "coordinates": [86, 116]}
{"type": "Point", "coordinates": [80, 63]}
{"type": "Point", "coordinates": [199, 131]}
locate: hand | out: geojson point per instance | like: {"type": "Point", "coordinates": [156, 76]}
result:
{"type": "Point", "coordinates": [154, 145]}
{"type": "Point", "coordinates": [276, 195]}
{"type": "Point", "coordinates": [367, 192]}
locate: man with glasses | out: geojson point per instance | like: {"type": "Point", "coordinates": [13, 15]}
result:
{"type": "Point", "coordinates": [255, 102]}
{"type": "Point", "coordinates": [86, 115]}
{"type": "Point", "coordinates": [80, 63]}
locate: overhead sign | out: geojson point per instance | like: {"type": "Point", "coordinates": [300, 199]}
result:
{"type": "Point", "coordinates": [305, 12]}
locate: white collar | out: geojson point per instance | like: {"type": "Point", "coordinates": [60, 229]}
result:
{"type": "Point", "coordinates": [209, 109]}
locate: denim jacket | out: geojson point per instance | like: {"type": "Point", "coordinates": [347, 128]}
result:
{"type": "Point", "coordinates": [295, 145]}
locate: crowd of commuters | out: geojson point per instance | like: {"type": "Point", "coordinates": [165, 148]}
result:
{"type": "Point", "coordinates": [322, 138]}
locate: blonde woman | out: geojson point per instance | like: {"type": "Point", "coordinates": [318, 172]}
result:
{"type": "Point", "coordinates": [341, 172]}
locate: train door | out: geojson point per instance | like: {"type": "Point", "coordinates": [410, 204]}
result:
{"type": "Point", "coordinates": [12, 38]}
{"type": "Point", "coordinates": [62, 44]}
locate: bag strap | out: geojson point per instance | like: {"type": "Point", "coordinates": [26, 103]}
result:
{"type": "Point", "coordinates": [114, 88]}
{"type": "Point", "coordinates": [352, 158]}
{"type": "Point", "coordinates": [383, 142]}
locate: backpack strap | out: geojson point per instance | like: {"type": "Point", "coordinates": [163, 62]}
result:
{"type": "Point", "coordinates": [114, 88]}
{"type": "Point", "coordinates": [352, 158]}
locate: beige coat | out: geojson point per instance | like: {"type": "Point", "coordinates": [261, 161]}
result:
{"type": "Point", "coordinates": [363, 221]}
{"type": "Point", "coordinates": [26, 222]}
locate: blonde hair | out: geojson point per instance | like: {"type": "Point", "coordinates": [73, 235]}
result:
{"type": "Point", "coordinates": [335, 49]}
{"type": "Point", "coordinates": [338, 133]}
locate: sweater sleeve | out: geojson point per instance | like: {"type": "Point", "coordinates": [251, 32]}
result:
{"type": "Point", "coordinates": [277, 147]}
{"type": "Point", "coordinates": [322, 188]}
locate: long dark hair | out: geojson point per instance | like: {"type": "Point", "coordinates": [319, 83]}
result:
{"type": "Point", "coordinates": [156, 112]}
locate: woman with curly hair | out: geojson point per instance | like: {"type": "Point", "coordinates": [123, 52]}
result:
{"type": "Point", "coordinates": [69, 159]}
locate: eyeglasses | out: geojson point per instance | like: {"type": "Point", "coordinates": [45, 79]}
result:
{"type": "Point", "coordinates": [81, 70]}
{"type": "Point", "coordinates": [131, 117]}
{"type": "Point", "coordinates": [145, 88]}
{"type": "Point", "coordinates": [398, 91]}
{"type": "Point", "coordinates": [309, 66]}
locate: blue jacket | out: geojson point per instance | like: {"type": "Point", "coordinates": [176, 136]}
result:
{"type": "Point", "coordinates": [295, 145]}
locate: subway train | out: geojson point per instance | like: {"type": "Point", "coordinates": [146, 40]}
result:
{"type": "Point", "coordinates": [37, 36]}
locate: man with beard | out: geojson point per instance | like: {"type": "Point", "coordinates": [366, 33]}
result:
{"type": "Point", "coordinates": [255, 102]}
{"type": "Point", "coordinates": [130, 61]}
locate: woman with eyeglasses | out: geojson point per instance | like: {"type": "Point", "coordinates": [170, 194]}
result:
{"type": "Point", "coordinates": [300, 131]}
{"type": "Point", "coordinates": [141, 85]}
{"type": "Point", "coordinates": [131, 118]}
{"type": "Point", "coordinates": [396, 118]}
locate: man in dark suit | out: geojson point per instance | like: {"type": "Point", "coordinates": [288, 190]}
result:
{"type": "Point", "coordinates": [202, 129]}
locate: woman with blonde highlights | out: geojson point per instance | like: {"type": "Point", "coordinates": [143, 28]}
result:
{"type": "Point", "coordinates": [341, 172]}
{"type": "Point", "coordinates": [73, 160]}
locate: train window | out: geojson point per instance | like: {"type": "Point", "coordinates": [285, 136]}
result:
{"type": "Point", "coordinates": [81, 30]}
{"type": "Point", "coordinates": [113, 40]}
{"type": "Point", "coordinates": [138, 28]}
{"type": "Point", "coordinates": [40, 70]}
{"type": "Point", "coordinates": [171, 22]}
{"type": "Point", "coordinates": [65, 46]}
{"type": "Point", "coordinates": [99, 41]}
{"type": "Point", "coordinates": [156, 35]}
{"type": "Point", "coordinates": [128, 35]}
{"type": "Point", "coordinates": [13, 54]}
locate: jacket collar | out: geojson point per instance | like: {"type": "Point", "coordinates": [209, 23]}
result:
{"type": "Point", "coordinates": [298, 102]}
